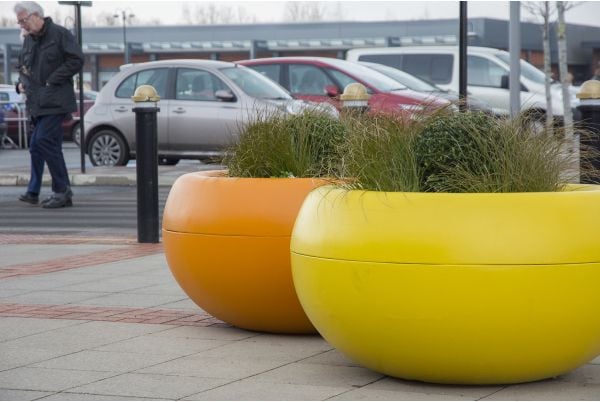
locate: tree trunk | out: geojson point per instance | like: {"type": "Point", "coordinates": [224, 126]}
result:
{"type": "Point", "coordinates": [547, 67]}
{"type": "Point", "coordinates": [571, 140]}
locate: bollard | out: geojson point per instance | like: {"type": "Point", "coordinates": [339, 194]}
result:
{"type": "Point", "coordinates": [589, 109]}
{"type": "Point", "coordinates": [355, 99]}
{"type": "Point", "coordinates": [145, 110]}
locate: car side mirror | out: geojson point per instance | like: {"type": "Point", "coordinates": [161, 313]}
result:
{"type": "Point", "coordinates": [332, 91]}
{"type": "Point", "coordinates": [505, 83]}
{"type": "Point", "coordinates": [225, 95]}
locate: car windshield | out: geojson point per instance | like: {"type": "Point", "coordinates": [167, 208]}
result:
{"type": "Point", "coordinates": [254, 84]}
{"type": "Point", "coordinates": [527, 70]}
{"type": "Point", "coordinates": [373, 78]}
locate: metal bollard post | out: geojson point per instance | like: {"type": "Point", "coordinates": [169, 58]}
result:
{"type": "Point", "coordinates": [145, 109]}
{"type": "Point", "coordinates": [589, 109]}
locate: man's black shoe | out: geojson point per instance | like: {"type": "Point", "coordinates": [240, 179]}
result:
{"type": "Point", "coordinates": [59, 200]}
{"type": "Point", "coordinates": [29, 198]}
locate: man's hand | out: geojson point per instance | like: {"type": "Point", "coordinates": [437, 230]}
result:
{"type": "Point", "coordinates": [21, 88]}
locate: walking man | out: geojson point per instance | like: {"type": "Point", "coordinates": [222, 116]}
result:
{"type": "Point", "coordinates": [49, 59]}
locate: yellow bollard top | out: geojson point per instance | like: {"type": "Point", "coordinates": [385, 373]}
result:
{"type": "Point", "coordinates": [355, 92]}
{"type": "Point", "coordinates": [589, 90]}
{"type": "Point", "coordinates": [145, 93]}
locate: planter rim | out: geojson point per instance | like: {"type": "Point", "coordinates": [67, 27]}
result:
{"type": "Point", "coordinates": [451, 228]}
{"type": "Point", "coordinates": [211, 203]}
{"type": "Point", "coordinates": [569, 188]}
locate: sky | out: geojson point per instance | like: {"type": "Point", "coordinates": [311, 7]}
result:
{"type": "Point", "coordinates": [170, 12]}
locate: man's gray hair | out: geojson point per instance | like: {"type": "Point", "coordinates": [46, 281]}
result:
{"type": "Point", "coordinates": [31, 7]}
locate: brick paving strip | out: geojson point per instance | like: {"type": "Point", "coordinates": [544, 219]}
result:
{"type": "Point", "coordinates": [112, 314]}
{"type": "Point", "coordinates": [132, 250]}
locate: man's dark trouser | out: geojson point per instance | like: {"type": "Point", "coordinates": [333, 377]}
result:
{"type": "Point", "coordinates": [46, 146]}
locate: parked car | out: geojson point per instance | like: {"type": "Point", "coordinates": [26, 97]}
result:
{"type": "Point", "coordinates": [420, 85]}
{"type": "Point", "coordinates": [487, 72]}
{"type": "Point", "coordinates": [17, 120]}
{"type": "Point", "coordinates": [322, 79]}
{"type": "Point", "coordinates": [203, 105]}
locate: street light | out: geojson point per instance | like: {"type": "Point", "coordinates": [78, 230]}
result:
{"type": "Point", "coordinates": [124, 15]}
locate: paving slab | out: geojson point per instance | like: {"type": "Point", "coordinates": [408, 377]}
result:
{"type": "Point", "coordinates": [17, 356]}
{"type": "Point", "coordinates": [252, 390]}
{"type": "Point", "coordinates": [150, 386]}
{"type": "Point", "coordinates": [25, 253]}
{"type": "Point", "coordinates": [71, 396]}
{"type": "Point", "coordinates": [41, 379]}
{"type": "Point", "coordinates": [362, 394]}
{"type": "Point", "coordinates": [215, 333]}
{"type": "Point", "coordinates": [317, 374]}
{"type": "Point", "coordinates": [59, 296]}
{"type": "Point", "coordinates": [17, 327]}
{"type": "Point", "coordinates": [550, 390]}
{"type": "Point", "coordinates": [330, 358]}
{"type": "Point", "coordinates": [232, 368]}
{"type": "Point", "coordinates": [177, 347]}
{"type": "Point", "coordinates": [84, 335]}
{"type": "Point", "coordinates": [94, 360]}
{"type": "Point", "coordinates": [284, 348]}
{"type": "Point", "coordinates": [417, 387]}
{"type": "Point", "coordinates": [20, 395]}
{"type": "Point", "coordinates": [586, 374]}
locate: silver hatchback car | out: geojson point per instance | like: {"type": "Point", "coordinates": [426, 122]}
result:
{"type": "Point", "coordinates": [203, 105]}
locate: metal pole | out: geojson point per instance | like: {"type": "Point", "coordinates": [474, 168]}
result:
{"type": "Point", "coordinates": [147, 171]}
{"type": "Point", "coordinates": [462, 56]}
{"type": "Point", "coordinates": [81, 97]}
{"type": "Point", "coordinates": [514, 47]}
{"type": "Point", "coordinates": [126, 48]}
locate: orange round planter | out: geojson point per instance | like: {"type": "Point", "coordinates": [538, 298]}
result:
{"type": "Point", "coordinates": [227, 242]}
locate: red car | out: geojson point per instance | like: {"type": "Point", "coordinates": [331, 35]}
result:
{"type": "Point", "coordinates": [16, 119]}
{"type": "Point", "coordinates": [322, 79]}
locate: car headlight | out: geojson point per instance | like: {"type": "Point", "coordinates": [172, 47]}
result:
{"type": "Point", "coordinates": [411, 108]}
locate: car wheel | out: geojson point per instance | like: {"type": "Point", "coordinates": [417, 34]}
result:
{"type": "Point", "coordinates": [107, 148]}
{"type": "Point", "coordinates": [75, 133]}
{"type": "Point", "coordinates": [167, 161]}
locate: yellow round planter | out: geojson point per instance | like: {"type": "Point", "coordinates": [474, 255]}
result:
{"type": "Point", "coordinates": [227, 242]}
{"type": "Point", "coordinates": [453, 288]}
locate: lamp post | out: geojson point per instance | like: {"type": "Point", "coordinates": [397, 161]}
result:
{"type": "Point", "coordinates": [124, 15]}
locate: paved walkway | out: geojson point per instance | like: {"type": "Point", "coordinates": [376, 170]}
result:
{"type": "Point", "coordinates": [102, 318]}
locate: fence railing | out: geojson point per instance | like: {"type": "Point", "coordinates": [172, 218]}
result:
{"type": "Point", "coordinates": [14, 133]}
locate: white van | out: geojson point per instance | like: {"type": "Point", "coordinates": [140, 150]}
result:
{"type": "Point", "coordinates": [487, 74]}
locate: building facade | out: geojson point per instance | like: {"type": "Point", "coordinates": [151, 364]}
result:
{"type": "Point", "coordinates": [104, 47]}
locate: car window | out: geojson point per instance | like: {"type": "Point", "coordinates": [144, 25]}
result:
{"type": "Point", "coordinates": [392, 60]}
{"type": "Point", "coordinates": [436, 68]}
{"type": "Point", "coordinates": [343, 79]}
{"type": "Point", "coordinates": [271, 71]}
{"type": "Point", "coordinates": [527, 70]}
{"type": "Point", "coordinates": [4, 96]}
{"type": "Point", "coordinates": [484, 72]}
{"type": "Point", "coordinates": [197, 85]}
{"type": "Point", "coordinates": [308, 80]}
{"type": "Point", "coordinates": [254, 84]}
{"type": "Point", "coordinates": [156, 77]}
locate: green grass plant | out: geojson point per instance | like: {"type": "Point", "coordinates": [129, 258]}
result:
{"type": "Point", "coordinates": [379, 153]}
{"type": "Point", "coordinates": [467, 152]}
{"type": "Point", "coordinates": [278, 145]}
